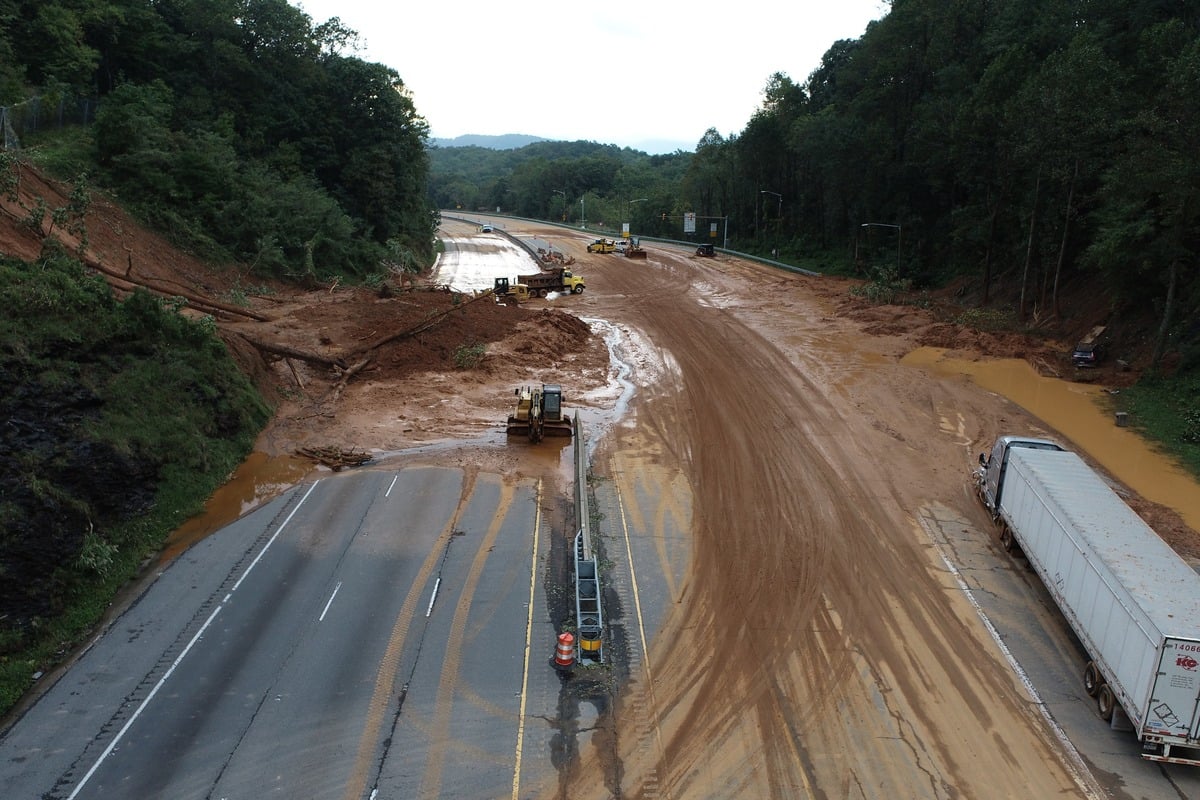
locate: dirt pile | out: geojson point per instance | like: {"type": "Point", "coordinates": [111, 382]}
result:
{"type": "Point", "coordinates": [313, 352]}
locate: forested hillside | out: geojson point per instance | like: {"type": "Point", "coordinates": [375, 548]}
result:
{"type": "Point", "coordinates": [1008, 146]}
{"type": "Point", "coordinates": [557, 180]}
{"type": "Point", "coordinates": [239, 129]}
{"type": "Point", "coordinates": [239, 126]}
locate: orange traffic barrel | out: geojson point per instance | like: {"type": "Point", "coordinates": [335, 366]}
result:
{"type": "Point", "coordinates": [564, 652]}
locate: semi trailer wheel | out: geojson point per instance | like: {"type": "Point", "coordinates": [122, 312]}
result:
{"type": "Point", "coordinates": [1106, 702]}
{"type": "Point", "coordinates": [1091, 679]}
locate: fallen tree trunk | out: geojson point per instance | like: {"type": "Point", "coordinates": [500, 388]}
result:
{"type": "Point", "coordinates": [195, 300]}
{"type": "Point", "coordinates": [283, 351]}
{"type": "Point", "coordinates": [337, 390]}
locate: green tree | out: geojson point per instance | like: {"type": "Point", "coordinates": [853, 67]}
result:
{"type": "Point", "coordinates": [1146, 241]}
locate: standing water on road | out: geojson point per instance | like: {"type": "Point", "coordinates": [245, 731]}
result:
{"type": "Point", "coordinates": [1077, 411]}
{"type": "Point", "coordinates": [257, 480]}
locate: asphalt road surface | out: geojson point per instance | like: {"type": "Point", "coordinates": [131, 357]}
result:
{"type": "Point", "coordinates": [376, 631]}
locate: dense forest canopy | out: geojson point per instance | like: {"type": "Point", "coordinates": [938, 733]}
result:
{"type": "Point", "coordinates": [237, 125]}
{"type": "Point", "coordinates": [1011, 143]}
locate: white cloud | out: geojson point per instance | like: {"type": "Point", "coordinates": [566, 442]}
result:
{"type": "Point", "coordinates": [621, 73]}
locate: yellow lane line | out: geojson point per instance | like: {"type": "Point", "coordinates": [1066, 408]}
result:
{"type": "Point", "coordinates": [385, 679]}
{"type": "Point", "coordinates": [537, 525]}
{"type": "Point", "coordinates": [431, 781]}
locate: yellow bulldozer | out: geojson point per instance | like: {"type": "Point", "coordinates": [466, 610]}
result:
{"type": "Point", "coordinates": [539, 413]}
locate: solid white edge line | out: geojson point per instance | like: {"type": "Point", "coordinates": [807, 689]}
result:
{"type": "Point", "coordinates": [271, 541]}
{"type": "Point", "coordinates": [388, 493]}
{"type": "Point", "coordinates": [142, 706]}
{"type": "Point", "coordinates": [112, 745]}
{"type": "Point", "coordinates": [1079, 769]}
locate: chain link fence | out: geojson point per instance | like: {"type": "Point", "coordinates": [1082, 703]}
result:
{"type": "Point", "coordinates": [43, 113]}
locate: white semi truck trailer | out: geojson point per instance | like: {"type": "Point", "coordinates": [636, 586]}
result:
{"type": "Point", "coordinates": [1131, 600]}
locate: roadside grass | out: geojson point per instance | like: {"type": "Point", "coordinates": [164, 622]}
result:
{"type": "Point", "coordinates": [87, 598]}
{"type": "Point", "coordinates": [1167, 410]}
{"type": "Point", "coordinates": [64, 153]}
{"type": "Point", "coordinates": [126, 417]}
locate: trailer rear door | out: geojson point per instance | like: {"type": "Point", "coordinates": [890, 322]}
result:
{"type": "Point", "coordinates": [1175, 701]}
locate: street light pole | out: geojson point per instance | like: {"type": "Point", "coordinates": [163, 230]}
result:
{"type": "Point", "coordinates": [631, 202]}
{"type": "Point", "coordinates": [564, 211]}
{"type": "Point", "coordinates": [777, 194]}
{"type": "Point", "coordinates": [778, 219]}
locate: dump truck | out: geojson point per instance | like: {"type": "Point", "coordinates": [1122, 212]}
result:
{"type": "Point", "coordinates": [602, 246]}
{"type": "Point", "coordinates": [539, 413]}
{"type": "Point", "coordinates": [1131, 600]}
{"type": "Point", "coordinates": [558, 279]}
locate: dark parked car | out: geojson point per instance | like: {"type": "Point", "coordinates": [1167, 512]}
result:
{"type": "Point", "coordinates": [1086, 354]}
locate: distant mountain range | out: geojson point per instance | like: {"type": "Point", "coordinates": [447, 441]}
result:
{"type": "Point", "coordinates": [507, 141]}
{"type": "Point", "coordinates": [513, 141]}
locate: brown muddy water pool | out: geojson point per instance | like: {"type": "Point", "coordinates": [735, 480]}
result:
{"type": "Point", "coordinates": [1083, 414]}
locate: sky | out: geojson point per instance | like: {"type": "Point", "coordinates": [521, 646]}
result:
{"type": "Point", "coordinates": [651, 75]}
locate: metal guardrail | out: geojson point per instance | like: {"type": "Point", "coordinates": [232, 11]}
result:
{"type": "Point", "coordinates": [589, 607]}
{"type": "Point", "coordinates": [604, 232]}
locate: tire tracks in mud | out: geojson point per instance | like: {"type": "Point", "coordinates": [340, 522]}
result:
{"type": "Point", "coordinates": [813, 607]}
